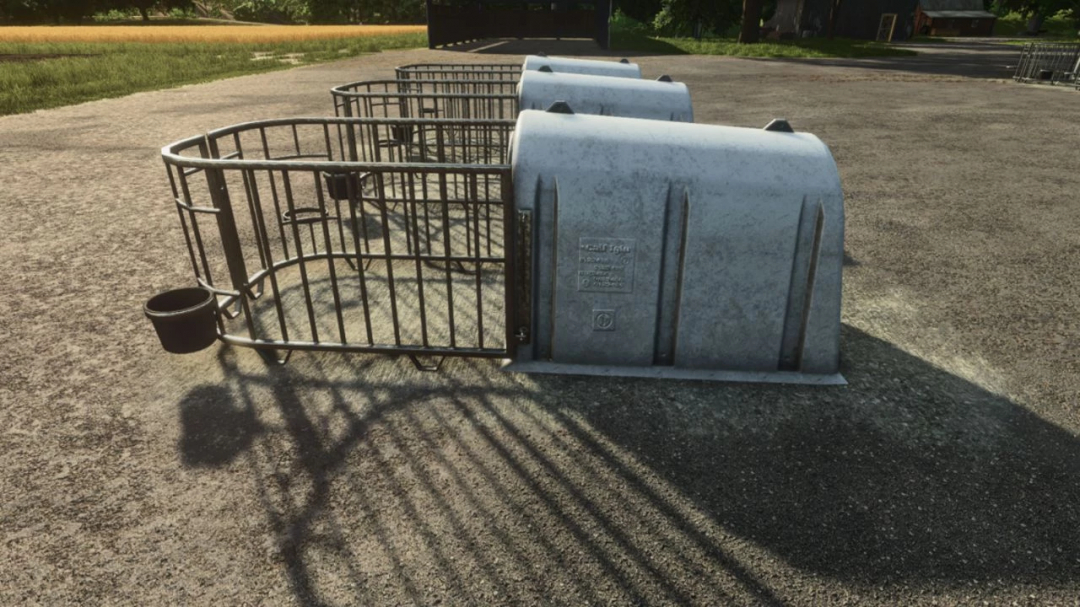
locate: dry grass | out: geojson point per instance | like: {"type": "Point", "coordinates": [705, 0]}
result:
{"type": "Point", "coordinates": [185, 33]}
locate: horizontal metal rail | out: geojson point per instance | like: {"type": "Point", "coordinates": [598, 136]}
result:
{"type": "Point", "coordinates": [510, 72]}
{"type": "Point", "coordinates": [431, 99]}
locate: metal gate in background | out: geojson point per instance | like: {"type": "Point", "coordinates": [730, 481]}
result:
{"type": "Point", "coordinates": [1049, 62]}
{"type": "Point", "coordinates": [457, 21]}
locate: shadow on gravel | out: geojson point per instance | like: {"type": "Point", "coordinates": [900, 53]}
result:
{"type": "Point", "coordinates": [216, 429]}
{"type": "Point", "coordinates": [908, 474]}
{"type": "Point", "coordinates": [975, 60]}
{"type": "Point", "coordinates": [473, 487]}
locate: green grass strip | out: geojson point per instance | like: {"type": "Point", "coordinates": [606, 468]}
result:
{"type": "Point", "coordinates": [106, 70]}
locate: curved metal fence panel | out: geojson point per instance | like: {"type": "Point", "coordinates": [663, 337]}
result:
{"type": "Point", "coordinates": [384, 236]}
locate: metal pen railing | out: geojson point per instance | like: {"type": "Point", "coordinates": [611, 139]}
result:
{"type": "Point", "coordinates": [1050, 62]}
{"type": "Point", "coordinates": [436, 99]}
{"type": "Point", "coordinates": [356, 235]}
{"type": "Point", "coordinates": [487, 72]}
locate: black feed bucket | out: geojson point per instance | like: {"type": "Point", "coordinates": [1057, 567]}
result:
{"type": "Point", "coordinates": [185, 319]}
{"type": "Point", "coordinates": [338, 184]}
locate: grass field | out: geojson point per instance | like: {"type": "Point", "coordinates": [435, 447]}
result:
{"type": "Point", "coordinates": [243, 33]}
{"type": "Point", "coordinates": [44, 67]}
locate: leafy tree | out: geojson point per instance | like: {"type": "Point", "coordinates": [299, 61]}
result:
{"type": "Point", "coordinates": [686, 17]}
{"type": "Point", "coordinates": [57, 11]}
{"type": "Point", "coordinates": [144, 6]}
{"type": "Point", "coordinates": [640, 10]}
{"type": "Point", "coordinates": [1036, 11]}
{"type": "Point", "coordinates": [271, 11]}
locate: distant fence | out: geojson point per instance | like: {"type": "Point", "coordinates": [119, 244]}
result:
{"type": "Point", "coordinates": [1049, 62]}
{"type": "Point", "coordinates": [455, 21]}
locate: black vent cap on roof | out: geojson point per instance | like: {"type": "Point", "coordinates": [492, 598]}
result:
{"type": "Point", "coordinates": [779, 126]}
{"type": "Point", "coordinates": [560, 107]}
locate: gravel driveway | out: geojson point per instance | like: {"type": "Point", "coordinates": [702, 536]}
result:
{"type": "Point", "coordinates": [945, 472]}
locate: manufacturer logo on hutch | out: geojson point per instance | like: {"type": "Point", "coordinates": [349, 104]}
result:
{"type": "Point", "coordinates": [606, 265]}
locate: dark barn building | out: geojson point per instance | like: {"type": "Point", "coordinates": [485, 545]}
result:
{"type": "Point", "coordinates": [456, 21]}
{"type": "Point", "coordinates": [954, 18]}
{"type": "Point", "coordinates": [857, 19]}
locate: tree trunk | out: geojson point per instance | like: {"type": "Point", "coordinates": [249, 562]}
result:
{"type": "Point", "coordinates": [1035, 23]}
{"type": "Point", "coordinates": [751, 21]}
{"type": "Point", "coordinates": [145, 14]}
{"type": "Point", "coordinates": [834, 14]}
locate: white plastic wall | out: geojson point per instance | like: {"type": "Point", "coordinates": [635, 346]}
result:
{"type": "Point", "coordinates": [602, 95]}
{"type": "Point", "coordinates": [564, 65]}
{"type": "Point", "coordinates": [679, 250]}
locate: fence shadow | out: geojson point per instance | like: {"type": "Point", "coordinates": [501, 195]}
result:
{"type": "Point", "coordinates": [476, 487]}
{"type": "Point", "coordinates": [910, 473]}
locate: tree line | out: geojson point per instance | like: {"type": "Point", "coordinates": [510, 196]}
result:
{"type": "Point", "coordinates": [263, 11]}
{"type": "Point", "coordinates": [693, 17]}
{"type": "Point", "coordinates": [670, 17]}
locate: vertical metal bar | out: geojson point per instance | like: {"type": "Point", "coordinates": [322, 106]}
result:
{"type": "Point", "coordinates": [248, 186]}
{"type": "Point", "coordinates": [355, 198]}
{"type": "Point", "coordinates": [516, 261]}
{"type": "Point", "coordinates": [180, 213]}
{"type": "Point", "coordinates": [261, 227]}
{"type": "Point", "coordinates": [416, 257]}
{"type": "Point", "coordinates": [195, 226]}
{"type": "Point", "coordinates": [287, 182]}
{"type": "Point", "coordinates": [230, 239]}
{"type": "Point", "coordinates": [380, 190]}
{"type": "Point", "coordinates": [330, 261]}
{"type": "Point", "coordinates": [274, 195]}
{"type": "Point", "coordinates": [446, 259]}
{"type": "Point", "coordinates": [479, 265]}
{"type": "Point", "coordinates": [424, 184]}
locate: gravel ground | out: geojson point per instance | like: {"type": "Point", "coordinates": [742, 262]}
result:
{"type": "Point", "coordinates": [945, 473]}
